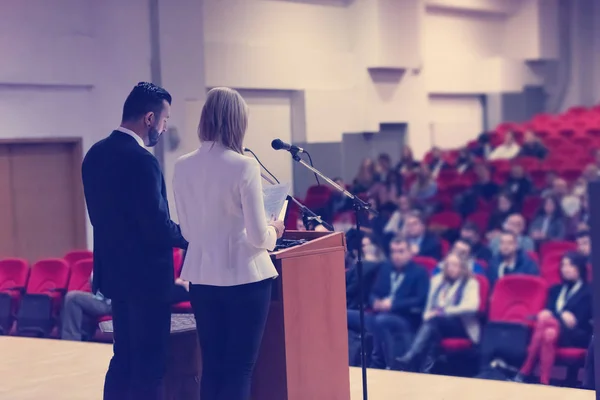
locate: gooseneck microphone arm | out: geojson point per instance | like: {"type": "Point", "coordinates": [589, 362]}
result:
{"type": "Point", "coordinates": [307, 213]}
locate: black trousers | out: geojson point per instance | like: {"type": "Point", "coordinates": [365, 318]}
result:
{"type": "Point", "coordinates": [230, 321]}
{"type": "Point", "coordinates": [141, 338]}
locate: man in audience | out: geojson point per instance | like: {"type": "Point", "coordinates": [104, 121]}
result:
{"type": "Point", "coordinates": [518, 185]}
{"type": "Point", "coordinates": [470, 232]}
{"type": "Point", "coordinates": [509, 149]}
{"type": "Point", "coordinates": [462, 248]}
{"type": "Point", "coordinates": [584, 244]}
{"type": "Point", "coordinates": [510, 259]}
{"type": "Point", "coordinates": [422, 242]}
{"type": "Point", "coordinates": [515, 224]}
{"type": "Point", "coordinates": [397, 299]}
{"type": "Point", "coordinates": [81, 309]}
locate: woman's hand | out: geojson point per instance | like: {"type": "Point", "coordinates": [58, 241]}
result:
{"type": "Point", "coordinates": [569, 319]}
{"type": "Point", "coordinates": [279, 227]}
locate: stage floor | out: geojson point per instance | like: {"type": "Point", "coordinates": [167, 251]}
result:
{"type": "Point", "coordinates": [36, 369]}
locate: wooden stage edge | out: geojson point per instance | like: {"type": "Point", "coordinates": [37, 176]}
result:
{"type": "Point", "coordinates": [32, 369]}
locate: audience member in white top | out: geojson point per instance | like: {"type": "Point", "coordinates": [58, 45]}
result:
{"type": "Point", "coordinates": [220, 205]}
{"type": "Point", "coordinates": [509, 149]}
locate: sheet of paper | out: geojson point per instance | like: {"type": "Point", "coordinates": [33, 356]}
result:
{"type": "Point", "coordinates": [275, 198]}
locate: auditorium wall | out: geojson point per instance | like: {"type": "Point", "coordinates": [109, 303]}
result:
{"type": "Point", "coordinates": [67, 66]}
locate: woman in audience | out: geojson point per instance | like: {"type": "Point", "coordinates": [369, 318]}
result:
{"type": "Point", "coordinates": [425, 187]}
{"type": "Point", "coordinates": [504, 208]}
{"type": "Point", "coordinates": [533, 147]}
{"type": "Point", "coordinates": [365, 177]}
{"type": "Point", "coordinates": [407, 164]}
{"type": "Point", "coordinates": [549, 223]}
{"type": "Point", "coordinates": [508, 150]}
{"type": "Point", "coordinates": [451, 311]}
{"type": "Point", "coordinates": [565, 322]}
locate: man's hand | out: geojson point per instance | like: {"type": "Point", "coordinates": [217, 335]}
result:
{"type": "Point", "coordinates": [183, 283]}
{"type": "Point", "coordinates": [569, 319]}
{"type": "Point", "coordinates": [383, 305]}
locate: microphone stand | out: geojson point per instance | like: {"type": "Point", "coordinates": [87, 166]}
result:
{"type": "Point", "coordinates": [358, 205]}
{"type": "Point", "coordinates": [307, 213]}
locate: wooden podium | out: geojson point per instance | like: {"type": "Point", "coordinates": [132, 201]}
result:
{"type": "Point", "coordinates": [304, 352]}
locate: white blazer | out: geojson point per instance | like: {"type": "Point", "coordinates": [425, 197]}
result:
{"type": "Point", "coordinates": [219, 199]}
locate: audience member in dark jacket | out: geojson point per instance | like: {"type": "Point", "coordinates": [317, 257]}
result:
{"type": "Point", "coordinates": [518, 185]}
{"type": "Point", "coordinates": [372, 261]}
{"type": "Point", "coordinates": [566, 320]}
{"type": "Point", "coordinates": [510, 260]}
{"type": "Point", "coordinates": [470, 232]}
{"type": "Point", "coordinates": [398, 298]}
{"type": "Point", "coordinates": [504, 209]}
{"type": "Point", "coordinates": [533, 147]}
{"type": "Point", "coordinates": [422, 242]}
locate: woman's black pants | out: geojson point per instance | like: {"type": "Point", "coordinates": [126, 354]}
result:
{"type": "Point", "coordinates": [230, 321]}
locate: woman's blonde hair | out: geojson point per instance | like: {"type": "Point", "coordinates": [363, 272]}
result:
{"type": "Point", "coordinates": [224, 119]}
{"type": "Point", "coordinates": [464, 265]}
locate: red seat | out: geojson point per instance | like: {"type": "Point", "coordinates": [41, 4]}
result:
{"type": "Point", "coordinates": [445, 247]}
{"type": "Point", "coordinates": [555, 246]}
{"type": "Point", "coordinates": [570, 355]}
{"type": "Point", "coordinates": [80, 275]}
{"type": "Point", "coordinates": [104, 318]}
{"type": "Point", "coordinates": [49, 277]}
{"type": "Point", "coordinates": [517, 298]}
{"type": "Point", "coordinates": [445, 220]}
{"type": "Point", "coordinates": [481, 219]}
{"type": "Point", "coordinates": [13, 279]}
{"type": "Point", "coordinates": [429, 263]}
{"type": "Point", "coordinates": [177, 262]}
{"type": "Point", "coordinates": [73, 256]}
{"type": "Point", "coordinates": [183, 307]}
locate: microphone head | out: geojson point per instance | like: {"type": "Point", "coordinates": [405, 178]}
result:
{"type": "Point", "coordinates": [277, 144]}
{"type": "Point", "coordinates": [246, 149]}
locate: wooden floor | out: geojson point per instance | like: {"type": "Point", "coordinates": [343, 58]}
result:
{"type": "Point", "coordinates": [34, 369]}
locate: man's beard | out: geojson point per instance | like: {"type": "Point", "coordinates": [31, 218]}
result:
{"type": "Point", "coordinates": [153, 136]}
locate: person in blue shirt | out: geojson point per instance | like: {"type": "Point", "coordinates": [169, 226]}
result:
{"type": "Point", "coordinates": [462, 247]}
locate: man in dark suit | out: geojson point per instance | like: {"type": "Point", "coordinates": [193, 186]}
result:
{"type": "Point", "coordinates": [133, 243]}
{"type": "Point", "coordinates": [510, 260]}
{"type": "Point", "coordinates": [422, 242]}
{"type": "Point", "coordinates": [397, 298]}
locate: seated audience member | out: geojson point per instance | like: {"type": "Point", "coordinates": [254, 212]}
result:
{"type": "Point", "coordinates": [510, 259]}
{"type": "Point", "coordinates": [372, 258]}
{"type": "Point", "coordinates": [484, 190]}
{"type": "Point", "coordinates": [549, 223]}
{"type": "Point", "coordinates": [365, 178]}
{"type": "Point", "coordinates": [504, 209]}
{"type": "Point", "coordinates": [451, 312]}
{"type": "Point", "coordinates": [424, 187]}
{"type": "Point", "coordinates": [407, 164]}
{"type": "Point", "coordinates": [584, 245]}
{"type": "Point", "coordinates": [397, 299]}
{"type": "Point", "coordinates": [564, 323]}
{"type": "Point", "coordinates": [548, 188]}
{"type": "Point", "coordinates": [570, 203]}
{"type": "Point", "coordinates": [470, 233]}
{"type": "Point", "coordinates": [383, 167]}
{"type": "Point", "coordinates": [436, 162]}
{"type": "Point", "coordinates": [508, 150]}
{"type": "Point", "coordinates": [515, 223]}
{"type": "Point", "coordinates": [464, 161]}
{"type": "Point", "coordinates": [396, 221]}
{"type": "Point", "coordinates": [462, 248]}
{"type": "Point", "coordinates": [533, 147]}
{"type": "Point", "coordinates": [82, 308]}
{"type": "Point", "coordinates": [422, 242]}
{"type": "Point", "coordinates": [518, 185]}
{"type": "Point", "coordinates": [483, 148]}
{"type": "Point", "coordinates": [338, 203]}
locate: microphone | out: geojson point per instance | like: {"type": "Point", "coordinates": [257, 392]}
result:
{"type": "Point", "coordinates": [279, 144]}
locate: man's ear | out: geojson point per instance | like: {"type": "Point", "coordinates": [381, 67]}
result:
{"type": "Point", "coordinates": [149, 118]}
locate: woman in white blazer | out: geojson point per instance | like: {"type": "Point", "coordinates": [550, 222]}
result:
{"type": "Point", "coordinates": [451, 312]}
{"type": "Point", "coordinates": [219, 201]}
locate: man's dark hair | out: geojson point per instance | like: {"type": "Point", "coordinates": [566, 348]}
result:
{"type": "Point", "coordinates": [416, 214]}
{"type": "Point", "coordinates": [582, 234]}
{"type": "Point", "coordinates": [399, 239]}
{"type": "Point", "coordinates": [505, 232]}
{"type": "Point", "coordinates": [144, 98]}
{"type": "Point", "coordinates": [384, 157]}
{"type": "Point", "coordinates": [471, 226]}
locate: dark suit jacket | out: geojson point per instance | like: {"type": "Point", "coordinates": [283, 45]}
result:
{"type": "Point", "coordinates": [133, 232]}
{"type": "Point", "coordinates": [524, 265]}
{"type": "Point", "coordinates": [410, 298]}
{"type": "Point", "coordinates": [580, 305]}
{"type": "Point", "coordinates": [430, 246]}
